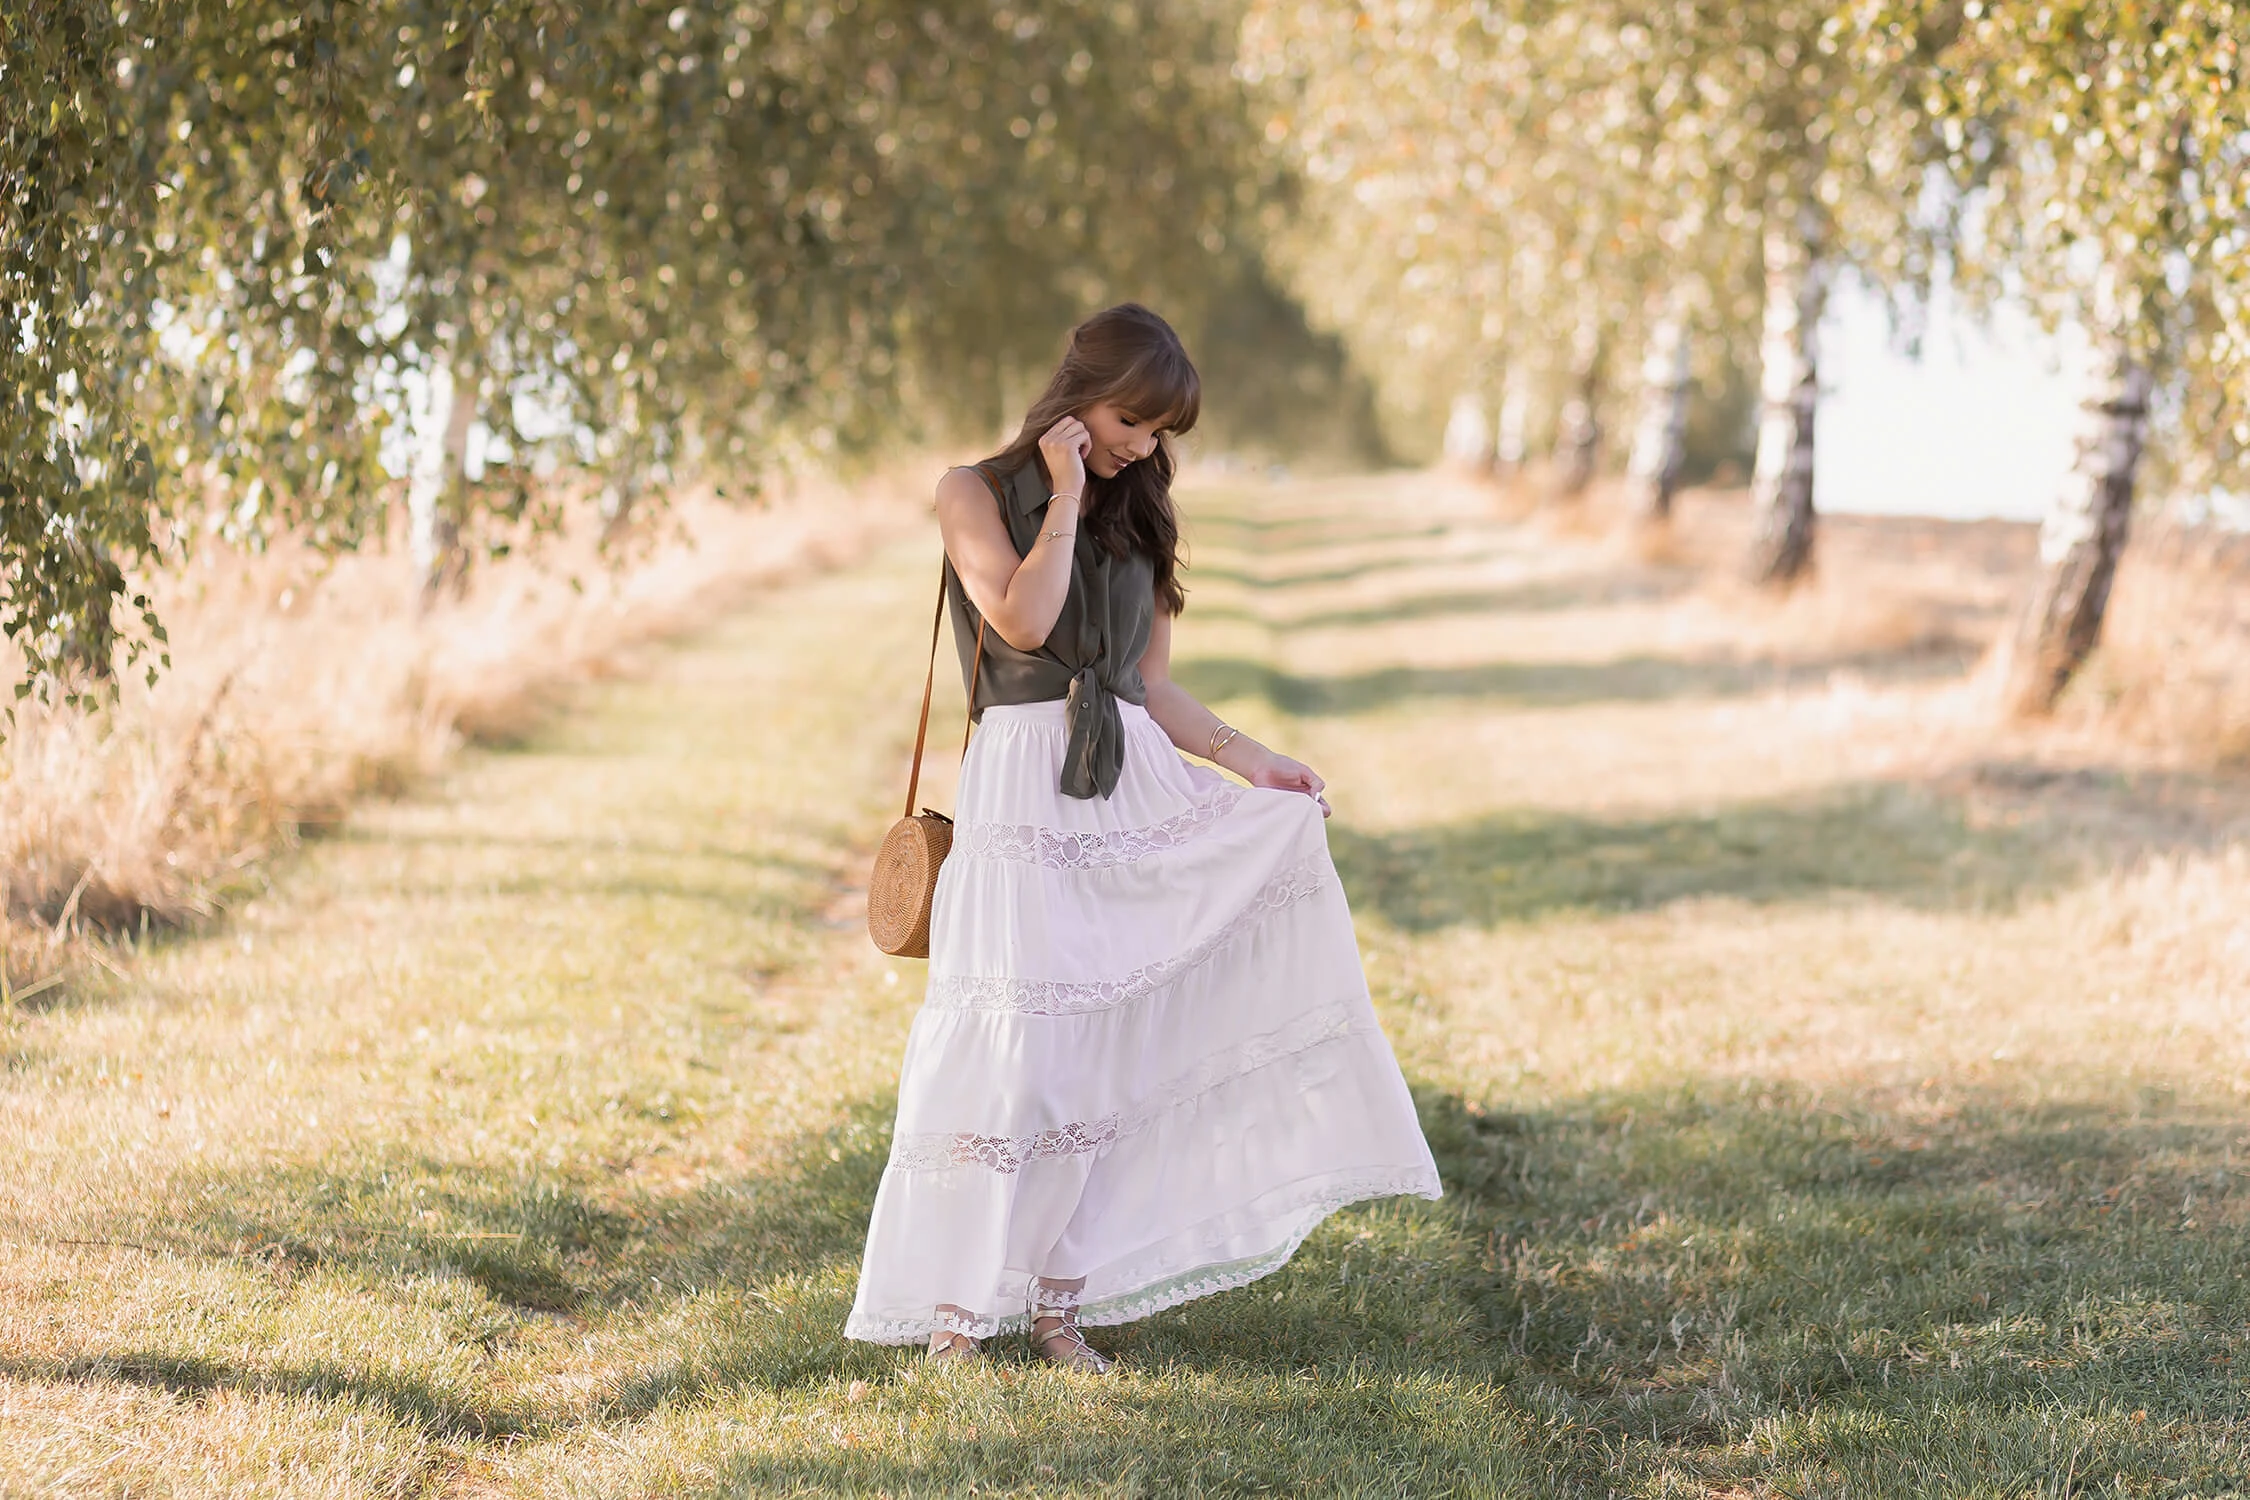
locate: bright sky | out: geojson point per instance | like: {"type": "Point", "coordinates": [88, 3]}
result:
{"type": "Point", "coordinates": [1980, 425]}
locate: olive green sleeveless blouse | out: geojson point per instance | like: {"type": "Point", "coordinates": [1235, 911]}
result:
{"type": "Point", "coordinates": [1092, 656]}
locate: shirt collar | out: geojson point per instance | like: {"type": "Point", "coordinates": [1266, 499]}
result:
{"type": "Point", "coordinates": [1028, 489]}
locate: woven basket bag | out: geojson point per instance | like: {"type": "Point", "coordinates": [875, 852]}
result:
{"type": "Point", "coordinates": [904, 879]}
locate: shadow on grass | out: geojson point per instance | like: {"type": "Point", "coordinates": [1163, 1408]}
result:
{"type": "Point", "coordinates": [430, 1407]}
{"type": "Point", "coordinates": [1900, 842]}
{"type": "Point", "coordinates": [1375, 1435]}
{"type": "Point", "coordinates": [613, 848]}
{"type": "Point", "coordinates": [1973, 843]}
{"type": "Point", "coordinates": [1345, 572]}
{"type": "Point", "coordinates": [786, 880]}
{"type": "Point", "coordinates": [1537, 596]}
{"type": "Point", "coordinates": [1691, 1262]}
{"type": "Point", "coordinates": [1631, 679]}
{"type": "Point", "coordinates": [526, 1239]}
{"type": "Point", "coordinates": [1617, 1287]}
{"type": "Point", "coordinates": [1272, 536]}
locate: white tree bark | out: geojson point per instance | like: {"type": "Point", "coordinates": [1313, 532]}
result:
{"type": "Point", "coordinates": [1659, 452]}
{"type": "Point", "coordinates": [1468, 435]}
{"type": "Point", "coordinates": [436, 484]}
{"type": "Point", "coordinates": [1578, 430]}
{"type": "Point", "coordinates": [1511, 439]}
{"type": "Point", "coordinates": [2083, 536]}
{"type": "Point", "coordinates": [1781, 488]}
{"type": "Point", "coordinates": [615, 506]}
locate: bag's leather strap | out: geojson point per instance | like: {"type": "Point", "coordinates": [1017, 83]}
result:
{"type": "Point", "coordinates": [929, 678]}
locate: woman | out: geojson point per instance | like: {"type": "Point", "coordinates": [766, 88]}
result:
{"type": "Point", "coordinates": [1146, 1066]}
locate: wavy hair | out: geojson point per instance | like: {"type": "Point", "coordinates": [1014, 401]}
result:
{"type": "Point", "coordinates": [1129, 357]}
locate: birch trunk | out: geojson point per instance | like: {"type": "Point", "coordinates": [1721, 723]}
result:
{"type": "Point", "coordinates": [1511, 440]}
{"type": "Point", "coordinates": [621, 493]}
{"type": "Point", "coordinates": [1781, 488]}
{"type": "Point", "coordinates": [2082, 537]}
{"type": "Point", "coordinates": [436, 490]}
{"type": "Point", "coordinates": [1579, 441]}
{"type": "Point", "coordinates": [1578, 428]}
{"type": "Point", "coordinates": [1468, 435]}
{"type": "Point", "coordinates": [1659, 452]}
{"type": "Point", "coordinates": [615, 506]}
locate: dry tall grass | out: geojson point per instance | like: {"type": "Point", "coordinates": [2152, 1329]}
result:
{"type": "Point", "coordinates": [2169, 685]}
{"type": "Point", "coordinates": [303, 682]}
{"type": "Point", "coordinates": [2173, 671]}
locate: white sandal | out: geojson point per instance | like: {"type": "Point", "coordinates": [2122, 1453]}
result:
{"type": "Point", "coordinates": [1076, 1353]}
{"type": "Point", "coordinates": [950, 1346]}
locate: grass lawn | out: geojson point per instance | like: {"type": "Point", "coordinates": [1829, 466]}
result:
{"type": "Point", "coordinates": [1833, 1098]}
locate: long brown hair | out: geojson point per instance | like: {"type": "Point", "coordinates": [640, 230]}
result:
{"type": "Point", "coordinates": [1130, 357]}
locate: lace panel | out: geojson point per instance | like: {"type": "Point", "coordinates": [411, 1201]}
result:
{"type": "Point", "coordinates": [938, 1151]}
{"type": "Point", "coordinates": [1310, 1206]}
{"type": "Point", "coordinates": [1315, 1205]}
{"type": "Point", "coordinates": [1025, 1290]}
{"type": "Point", "coordinates": [1060, 997]}
{"type": "Point", "coordinates": [1001, 1153]}
{"type": "Point", "coordinates": [1059, 849]}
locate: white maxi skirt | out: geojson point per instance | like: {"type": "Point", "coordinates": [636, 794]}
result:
{"type": "Point", "coordinates": [1146, 1058]}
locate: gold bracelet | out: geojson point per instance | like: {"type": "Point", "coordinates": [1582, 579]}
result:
{"type": "Point", "coordinates": [1064, 534]}
{"type": "Point", "coordinates": [1061, 495]}
{"type": "Point", "coordinates": [1221, 737]}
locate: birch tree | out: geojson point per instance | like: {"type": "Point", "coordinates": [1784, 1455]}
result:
{"type": "Point", "coordinates": [1647, 160]}
{"type": "Point", "coordinates": [108, 117]}
{"type": "Point", "coordinates": [1432, 159]}
{"type": "Point", "coordinates": [1658, 455]}
{"type": "Point", "coordinates": [1797, 272]}
{"type": "Point", "coordinates": [1816, 127]}
{"type": "Point", "coordinates": [2106, 145]}
{"type": "Point", "coordinates": [682, 238]}
{"type": "Point", "coordinates": [73, 470]}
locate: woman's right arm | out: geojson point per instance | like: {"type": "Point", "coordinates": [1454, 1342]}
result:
{"type": "Point", "coordinates": [1018, 596]}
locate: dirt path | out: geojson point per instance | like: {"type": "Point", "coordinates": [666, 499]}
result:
{"type": "Point", "coordinates": [1829, 1101]}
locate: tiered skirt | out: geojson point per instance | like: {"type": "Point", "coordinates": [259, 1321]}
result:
{"type": "Point", "coordinates": [1146, 1058]}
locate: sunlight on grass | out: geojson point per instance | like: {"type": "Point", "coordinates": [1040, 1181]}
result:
{"type": "Point", "coordinates": [1827, 1105]}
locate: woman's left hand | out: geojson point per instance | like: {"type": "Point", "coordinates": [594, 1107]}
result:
{"type": "Point", "coordinates": [1283, 774]}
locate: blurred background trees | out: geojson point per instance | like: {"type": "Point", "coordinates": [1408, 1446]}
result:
{"type": "Point", "coordinates": [1515, 202]}
{"type": "Point", "coordinates": [1582, 194]}
{"type": "Point", "coordinates": [418, 268]}
{"type": "Point", "coordinates": [299, 269]}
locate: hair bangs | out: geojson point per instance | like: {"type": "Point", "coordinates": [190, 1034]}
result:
{"type": "Point", "coordinates": [1129, 358]}
{"type": "Point", "coordinates": [1162, 388]}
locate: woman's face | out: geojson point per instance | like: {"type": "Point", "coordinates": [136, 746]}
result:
{"type": "Point", "coordinates": [1120, 438]}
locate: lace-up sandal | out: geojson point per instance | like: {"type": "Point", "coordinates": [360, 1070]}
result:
{"type": "Point", "coordinates": [950, 1347]}
{"type": "Point", "coordinates": [1062, 1344]}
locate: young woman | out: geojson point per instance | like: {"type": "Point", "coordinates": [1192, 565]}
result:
{"type": "Point", "coordinates": [1146, 1066]}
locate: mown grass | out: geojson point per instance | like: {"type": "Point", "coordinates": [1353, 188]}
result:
{"type": "Point", "coordinates": [1832, 1100]}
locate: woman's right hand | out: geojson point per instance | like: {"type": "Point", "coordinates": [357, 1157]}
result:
{"type": "Point", "coordinates": [1065, 448]}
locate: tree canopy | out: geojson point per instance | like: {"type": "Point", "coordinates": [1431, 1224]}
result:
{"type": "Point", "coordinates": [645, 241]}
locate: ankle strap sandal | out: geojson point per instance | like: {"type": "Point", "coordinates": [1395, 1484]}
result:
{"type": "Point", "coordinates": [1064, 1345]}
{"type": "Point", "coordinates": [950, 1346]}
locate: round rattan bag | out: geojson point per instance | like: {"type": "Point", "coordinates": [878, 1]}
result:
{"type": "Point", "coordinates": [904, 879]}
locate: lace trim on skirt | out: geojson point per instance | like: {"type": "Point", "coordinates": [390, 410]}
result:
{"type": "Point", "coordinates": [1061, 997]}
{"type": "Point", "coordinates": [938, 1151]}
{"type": "Point", "coordinates": [1061, 849]}
{"type": "Point", "coordinates": [1311, 1204]}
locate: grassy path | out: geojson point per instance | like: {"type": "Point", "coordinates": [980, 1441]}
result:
{"type": "Point", "coordinates": [1827, 1105]}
